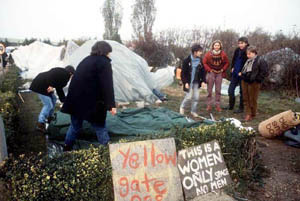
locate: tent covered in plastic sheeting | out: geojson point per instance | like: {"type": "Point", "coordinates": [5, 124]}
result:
{"type": "Point", "coordinates": [132, 79]}
{"type": "Point", "coordinates": [40, 57]}
{"type": "Point", "coordinates": [69, 50]}
{"type": "Point", "coordinates": [36, 58]}
{"type": "Point", "coordinates": [163, 77]}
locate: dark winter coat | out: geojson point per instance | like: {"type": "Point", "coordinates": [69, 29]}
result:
{"type": "Point", "coordinates": [259, 71]}
{"type": "Point", "coordinates": [186, 73]}
{"type": "Point", "coordinates": [91, 92]}
{"type": "Point", "coordinates": [4, 59]}
{"type": "Point", "coordinates": [57, 78]}
{"type": "Point", "coordinates": [236, 54]}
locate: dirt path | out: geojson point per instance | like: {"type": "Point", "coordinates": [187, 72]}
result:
{"type": "Point", "coordinates": [283, 163]}
{"type": "Point", "coordinates": [29, 140]}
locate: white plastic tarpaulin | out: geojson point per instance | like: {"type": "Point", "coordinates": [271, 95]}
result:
{"type": "Point", "coordinates": [132, 79]}
{"type": "Point", "coordinates": [40, 57]}
{"type": "Point", "coordinates": [36, 58]}
{"type": "Point", "coordinates": [163, 77]}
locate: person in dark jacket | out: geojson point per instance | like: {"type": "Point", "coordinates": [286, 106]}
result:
{"type": "Point", "coordinates": [4, 59]}
{"type": "Point", "coordinates": [44, 84]}
{"type": "Point", "coordinates": [192, 76]}
{"type": "Point", "coordinates": [91, 94]}
{"type": "Point", "coordinates": [238, 61]}
{"type": "Point", "coordinates": [252, 74]}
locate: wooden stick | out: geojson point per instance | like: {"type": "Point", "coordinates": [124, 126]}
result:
{"type": "Point", "coordinates": [21, 97]}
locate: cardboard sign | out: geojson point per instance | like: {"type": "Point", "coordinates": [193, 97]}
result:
{"type": "Point", "coordinates": [202, 169]}
{"type": "Point", "coordinates": [145, 171]}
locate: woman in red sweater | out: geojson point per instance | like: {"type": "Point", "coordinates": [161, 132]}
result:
{"type": "Point", "coordinates": [215, 63]}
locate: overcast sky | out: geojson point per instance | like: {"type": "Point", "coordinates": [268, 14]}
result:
{"type": "Point", "coordinates": [67, 19]}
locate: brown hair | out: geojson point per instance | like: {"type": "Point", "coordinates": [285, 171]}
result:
{"type": "Point", "coordinates": [101, 48]}
{"type": "Point", "coordinates": [216, 41]}
{"type": "Point", "coordinates": [252, 49]}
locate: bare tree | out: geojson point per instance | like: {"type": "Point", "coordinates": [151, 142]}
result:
{"type": "Point", "coordinates": [112, 12]}
{"type": "Point", "coordinates": [143, 18]}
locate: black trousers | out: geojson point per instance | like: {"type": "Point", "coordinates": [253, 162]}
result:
{"type": "Point", "coordinates": [235, 81]}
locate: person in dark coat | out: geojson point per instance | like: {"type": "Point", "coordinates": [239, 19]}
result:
{"type": "Point", "coordinates": [91, 94]}
{"type": "Point", "coordinates": [44, 84]}
{"type": "Point", "coordinates": [192, 76]}
{"type": "Point", "coordinates": [253, 74]}
{"type": "Point", "coordinates": [238, 61]}
{"type": "Point", "coordinates": [4, 59]}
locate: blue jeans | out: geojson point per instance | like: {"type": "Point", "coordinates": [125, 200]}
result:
{"type": "Point", "coordinates": [76, 125]}
{"type": "Point", "coordinates": [48, 107]}
{"type": "Point", "coordinates": [191, 97]}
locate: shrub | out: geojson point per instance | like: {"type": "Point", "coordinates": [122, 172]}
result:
{"type": "Point", "coordinates": [12, 80]}
{"type": "Point", "coordinates": [155, 53]}
{"type": "Point", "coordinates": [87, 174]}
{"type": "Point", "coordinates": [9, 111]}
{"type": "Point", "coordinates": [8, 100]}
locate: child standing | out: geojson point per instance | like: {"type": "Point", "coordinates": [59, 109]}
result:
{"type": "Point", "coordinates": [252, 74]}
{"type": "Point", "coordinates": [215, 63]}
{"type": "Point", "coordinates": [192, 76]}
{"type": "Point", "coordinates": [238, 61]}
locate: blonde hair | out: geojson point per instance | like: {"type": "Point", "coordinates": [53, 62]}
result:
{"type": "Point", "coordinates": [216, 41]}
{"type": "Point", "coordinates": [252, 49]}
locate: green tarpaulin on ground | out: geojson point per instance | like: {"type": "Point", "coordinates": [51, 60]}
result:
{"type": "Point", "coordinates": [127, 123]}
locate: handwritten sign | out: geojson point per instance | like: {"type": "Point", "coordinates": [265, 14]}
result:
{"type": "Point", "coordinates": [145, 171]}
{"type": "Point", "coordinates": [202, 169]}
{"type": "Point", "coordinates": [278, 124]}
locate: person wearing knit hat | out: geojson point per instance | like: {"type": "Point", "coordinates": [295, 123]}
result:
{"type": "Point", "coordinates": [215, 63]}
{"type": "Point", "coordinates": [238, 61]}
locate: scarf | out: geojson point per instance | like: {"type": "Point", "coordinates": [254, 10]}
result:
{"type": "Point", "coordinates": [248, 65]}
{"type": "Point", "coordinates": [195, 64]}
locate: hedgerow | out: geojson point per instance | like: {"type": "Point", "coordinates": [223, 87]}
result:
{"type": "Point", "coordinates": [87, 174]}
{"type": "Point", "coordinates": [8, 100]}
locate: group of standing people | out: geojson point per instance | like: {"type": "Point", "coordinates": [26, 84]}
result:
{"type": "Point", "coordinates": [248, 71]}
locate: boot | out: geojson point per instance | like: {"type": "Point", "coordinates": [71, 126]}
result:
{"type": "Point", "coordinates": [231, 103]}
{"type": "Point", "coordinates": [41, 127]}
{"type": "Point", "coordinates": [208, 108]}
{"type": "Point", "coordinates": [248, 118]}
{"type": "Point", "coordinates": [218, 108]}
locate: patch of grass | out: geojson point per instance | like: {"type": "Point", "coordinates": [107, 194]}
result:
{"type": "Point", "coordinates": [270, 103]}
